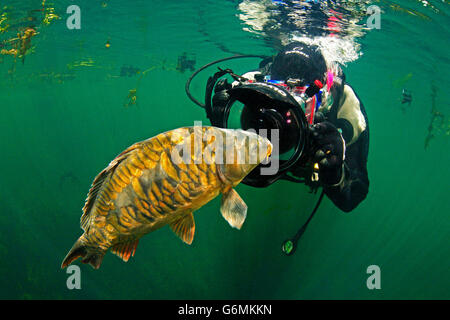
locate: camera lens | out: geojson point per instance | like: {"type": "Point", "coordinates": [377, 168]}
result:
{"type": "Point", "coordinates": [271, 119]}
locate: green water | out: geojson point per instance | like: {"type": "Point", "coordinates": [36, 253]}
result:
{"type": "Point", "coordinates": [55, 137]}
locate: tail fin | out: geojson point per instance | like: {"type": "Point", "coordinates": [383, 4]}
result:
{"type": "Point", "coordinates": [88, 254]}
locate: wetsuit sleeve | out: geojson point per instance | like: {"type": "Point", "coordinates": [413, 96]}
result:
{"type": "Point", "coordinates": [354, 184]}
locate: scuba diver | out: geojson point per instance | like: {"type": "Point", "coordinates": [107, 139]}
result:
{"type": "Point", "coordinates": [338, 125]}
{"type": "Point", "coordinates": [322, 124]}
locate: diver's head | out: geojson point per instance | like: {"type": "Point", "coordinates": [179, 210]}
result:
{"type": "Point", "coordinates": [299, 60]}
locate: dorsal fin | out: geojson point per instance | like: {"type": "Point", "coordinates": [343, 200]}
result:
{"type": "Point", "coordinates": [98, 183]}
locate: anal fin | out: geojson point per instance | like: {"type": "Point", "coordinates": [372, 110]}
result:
{"type": "Point", "coordinates": [233, 208]}
{"type": "Point", "coordinates": [125, 250]}
{"type": "Point", "coordinates": [184, 228]}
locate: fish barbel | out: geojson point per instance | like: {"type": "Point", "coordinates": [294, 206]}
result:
{"type": "Point", "coordinates": [162, 181]}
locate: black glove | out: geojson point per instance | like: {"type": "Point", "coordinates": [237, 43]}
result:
{"type": "Point", "coordinates": [329, 152]}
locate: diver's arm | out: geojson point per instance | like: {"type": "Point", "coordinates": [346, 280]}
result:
{"type": "Point", "coordinates": [350, 116]}
{"type": "Point", "coordinates": [354, 182]}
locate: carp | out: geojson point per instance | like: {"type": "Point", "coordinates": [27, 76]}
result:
{"type": "Point", "coordinates": [162, 181]}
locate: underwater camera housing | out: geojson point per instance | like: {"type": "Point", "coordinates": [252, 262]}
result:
{"type": "Point", "coordinates": [259, 106]}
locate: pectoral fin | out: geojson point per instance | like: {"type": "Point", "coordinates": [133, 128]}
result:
{"type": "Point", "coordinates": [184, 227]}
{"type": "Point", "coordinates": [233, 208]}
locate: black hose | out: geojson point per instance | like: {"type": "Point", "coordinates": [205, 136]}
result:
{"type": "Point", "coordinates": [188, 82]}
{"type": "Point", "coordinates": [290, 245]}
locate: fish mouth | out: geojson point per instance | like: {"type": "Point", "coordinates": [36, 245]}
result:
{"type": "Point", "coordinates": [269, 150]}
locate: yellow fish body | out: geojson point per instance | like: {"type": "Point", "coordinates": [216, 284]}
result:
{"type": "Point", "coordinates": [162, 181]}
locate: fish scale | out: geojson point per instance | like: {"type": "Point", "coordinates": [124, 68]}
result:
{"type": "Point", "coordinates": [143, 189]}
